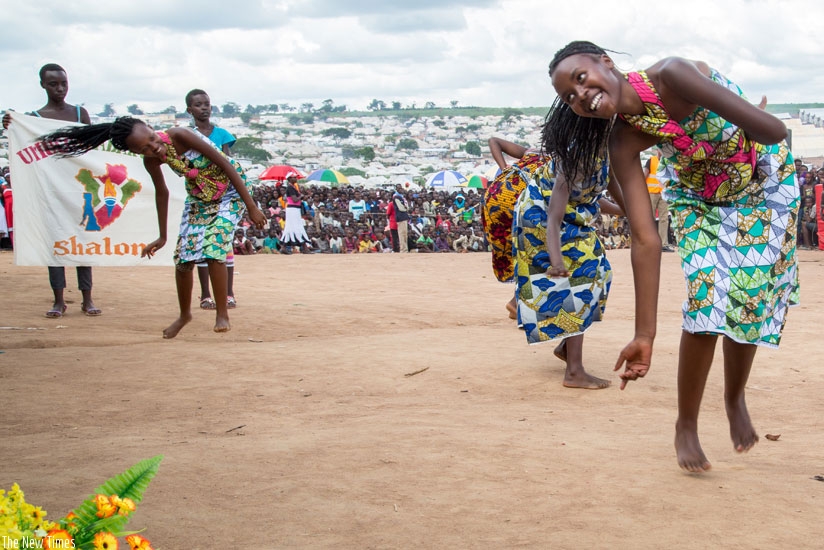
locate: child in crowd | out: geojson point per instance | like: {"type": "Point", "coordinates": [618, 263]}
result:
{"type": "Point", "coordinates": [336, 243]}
{"type": "Point", "coordinates": [271, 244]}
{"type": "Point", "coordinates": [216, 189]}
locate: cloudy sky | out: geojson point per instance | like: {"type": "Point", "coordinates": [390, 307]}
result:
{"type": "Point", "coordinates": [475, 52]}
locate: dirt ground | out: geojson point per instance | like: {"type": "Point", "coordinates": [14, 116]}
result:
{"type": "Point", "coordinates": [341, 448]}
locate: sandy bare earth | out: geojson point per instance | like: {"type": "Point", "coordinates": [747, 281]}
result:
{"type": "Point", "coordinates": [341, 449]}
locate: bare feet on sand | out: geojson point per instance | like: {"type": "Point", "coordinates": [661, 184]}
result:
{"type": "Point", "coordinates": [583, 380]}
{"type": "Point", "coordinates": [172, 330]}
{"type": "Point", "coordinates": [578, 377]}
{"type": "Point", "coordinates": [560, 351]}
{"type": "Point", "coordinates": [741, 431]}
{"type": "Point", "coordinates": [511, 308]}
{"type": "Point", "coordinates": [690, 455]}
{"type": "Point", "coordinates": [222, 324]}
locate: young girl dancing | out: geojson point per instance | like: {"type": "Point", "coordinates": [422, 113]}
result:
{"type": "Point", "coordinates": [199, 105]}
{"type": "Point", "coordinates": [499, 201]}
{"type": "Point", "coordinates": [561, 271]}
{"type": "Point", "coordinates": [734, 203]}
{"type": "Point", "coordinates": [216, 194]}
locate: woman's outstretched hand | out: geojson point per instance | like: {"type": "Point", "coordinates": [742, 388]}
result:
{"type": "Point", "coordinates": [635, 358]}
{"type": "Point", "coordinates": [257, 217]}
{"type": "Point", "coordinates": [152, 247]}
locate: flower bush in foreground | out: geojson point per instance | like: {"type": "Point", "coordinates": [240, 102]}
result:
{"type": "Point", "coordinates": [95, 525]}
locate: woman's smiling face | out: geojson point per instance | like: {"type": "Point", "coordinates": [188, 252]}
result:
{"type": "Point", "coordinates": [588, 84]}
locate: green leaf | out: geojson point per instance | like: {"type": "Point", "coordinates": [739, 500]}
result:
{"type": "Point", "coordinates": [130, 484]}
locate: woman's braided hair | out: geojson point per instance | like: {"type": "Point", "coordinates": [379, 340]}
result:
{"type": "Point", "coordinates": [73, 141]}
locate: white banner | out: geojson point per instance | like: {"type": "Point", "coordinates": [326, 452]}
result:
{"type": "Point", "coordinates": [95, 209]}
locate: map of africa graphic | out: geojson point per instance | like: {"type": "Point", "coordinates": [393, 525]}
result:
{"type": "Point", "coordinates": [106, 195]}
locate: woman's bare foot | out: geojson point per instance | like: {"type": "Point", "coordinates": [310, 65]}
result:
{"type": "Point", "coordinates": [741, 431]}
{"type": "Point", "coordinates": [172, 330]}
{"type": "Point", "coordinates": [690, 455]}
{"type": "Point", "coordinates": [222, 324]}
{"type": "Point", "coordinates": [582, 379]}
{"type": "Point", "coordinates": [560, 351]}
{"type": "Point", "coordinates": [511, 308]}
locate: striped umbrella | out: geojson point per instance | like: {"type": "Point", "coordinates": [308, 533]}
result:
{"type": "Point", "coordinates": [446, 178]}
{"type": "Point", "coordinates": [477, 182]}
{"type": "Point", "coordinates": [332, 177]}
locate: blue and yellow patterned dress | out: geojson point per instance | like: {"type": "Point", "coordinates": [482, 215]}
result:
{"type": "Point", "coordinates": [213, 207]}
{"type": "Point", "coordinates": [550, 308]}
{"type": "Point", "coordinates": [735, 206]}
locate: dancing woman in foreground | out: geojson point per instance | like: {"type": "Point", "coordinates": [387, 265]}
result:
{"type": "Point", "coordinates": [734, 204]}
{"type": "Point", "coordinates": [216, 192]}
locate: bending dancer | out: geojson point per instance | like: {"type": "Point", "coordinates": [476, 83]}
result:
{"type": "Point", "coordinates": [199, 105]}
{"type": "Point", "coordinates": [499, 202]}
{"type": "Point", "coordinates": [561, 269]}
{"type": "Point", "coordinates": [54, 80]}
{"type": "Point", "coordinates": [216, 194]}
{"type": "Point", "coordinates": [735, 203]}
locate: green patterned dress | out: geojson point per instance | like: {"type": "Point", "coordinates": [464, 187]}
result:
{"type": "Point", "coordinates": [552, 308]}
{"type": "Point", "coordinates": [213, 207]}
{"type": "Point", "coordinates": [735, 205]}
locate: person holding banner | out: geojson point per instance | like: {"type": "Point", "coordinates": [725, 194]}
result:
{"type": "Point", "coordinates": [199, 105]}
{"type": "Point", "coordinates": [217, 195]}
{"type": "Point", "coordinates": [54, 80]}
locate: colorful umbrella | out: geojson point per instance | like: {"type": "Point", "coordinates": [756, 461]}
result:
{"type": "Point", "coordinates": [279, 172]}
{"type": "Point", "coordinates": [329, 176]}
{"type": "Point", "coordinates": [446, 178]}
{"type": "Point", "coordinates": [477, 182]}
{"type": "Point", "coordinates": [493, 172]}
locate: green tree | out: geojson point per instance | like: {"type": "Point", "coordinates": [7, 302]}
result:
{"type": "Point", "coordinates": [408, 144]}
{"type": "Point", "coordinates": [250, 148]}
{"type": "Point", "coordinates": [245, 117]}
{"type": "Point", "coordinates": [170, 110]}
{"type": "Point", "coordinates": [230, 110]}
{"type": "Point", "coordinates": [366, 153]}
{"type": "Point", "coordinates": [439, 123]}
{"type": "Point", "coordinates": [327, 106]}
{"type": "Point", "coordinates": [473, 148]}
{"type": "Point", "coordinates": [453, 103]}
{"type": "Point", "coordinates": [108, 110]}
{"type": "Point", "coordinates": [429, 105]}
{"type": "Point", "coordinates": [396, 105]}
{"type": "Point", "coordinates": [509, 114]}
{"type": "Point", "coordinates": [338, 133]}
{"type": "Point", "coordinates": [134, 109]}
{"type": "Point", "coordinates": [350, 171]}
{"type": "Point", "coordinates": [376, 105]}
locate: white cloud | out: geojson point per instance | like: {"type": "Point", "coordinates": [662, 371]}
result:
{"type": "Point", "coordinates": [478, 52]}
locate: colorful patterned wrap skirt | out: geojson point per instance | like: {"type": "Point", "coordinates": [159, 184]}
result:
{"type": "Point", "coordinates": [551, 308]}
{"type": "Point", "coordinates": [207, 228]}
{"type": "Point", "coordinates": [499, 202]}
{"type": "Point", "coordinates": [739, 255]}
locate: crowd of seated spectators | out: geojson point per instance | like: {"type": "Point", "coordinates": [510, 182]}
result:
{"type": "Point", "coordinates": [353, 220]}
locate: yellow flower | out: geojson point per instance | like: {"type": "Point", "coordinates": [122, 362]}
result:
{"type": "Point", "coordinates": [105, 541]}
{"type": "Point", "coordinates": [136, 542]}
{"type": "Point", "coordinates": [105, 508]}
{"type": "Point", "coordinates": [124, 505]}
{"type": "Point", "coordinates": [58, 538]}
{"type": "Point", "coordinates": [37, 514]}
